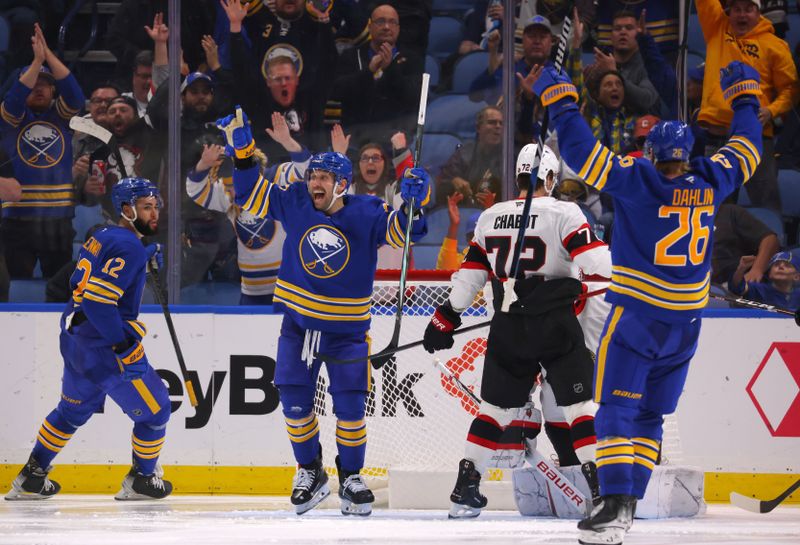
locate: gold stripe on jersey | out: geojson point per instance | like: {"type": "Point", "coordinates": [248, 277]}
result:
{"type": "Point", "coordinates": [258, 281]}
{"type": "Point", "coordinates": [64, 110]}
{"type": "Point", "coordinates": [104, 284]}
{"type": "Point", "coordinates": [395, 236]}
{"type": "Point", "coordinates": [317, 306]}
{"type": "Point", "coordinates": [657, 292]}
{"type": "Point", "coordinates": [671, 295]}
{"type": "Point", "coordinates": [139, 327]}
{"type": "Point", "coordinates": [259, 198]}
{"type": "Point", "coordinates": [259, 266]}
{"type": "Point", "coordinates": [147, 395]}
{"type": "Point", "coordinates": [12, 120]}
{"type": "Point", "coordinates": [615, 450]}
{"type": "Point", "coordinates": [601, 354]}
{"type": "Point", "coordinates": [658, 281]}
{"type": "Point", "coordinates": [91, 296]}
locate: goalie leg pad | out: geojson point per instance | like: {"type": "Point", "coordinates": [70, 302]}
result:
{"type": "Point", "coordinates": [485, 432]}
{"type": "Point", "coordinates": [581, 426]}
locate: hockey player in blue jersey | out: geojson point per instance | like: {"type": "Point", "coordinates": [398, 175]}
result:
{"type": "Point", "coordinates": [665, 208]}
{"type": "Point", "coordinates": [324, 289]}
{"type": "Point", "coordinates": [103, 354]}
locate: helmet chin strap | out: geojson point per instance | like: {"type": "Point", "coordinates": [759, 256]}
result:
{"type": "Point", "coordinates": [132, 220]}
{"type": "Point", "coordinates": [336, 195]}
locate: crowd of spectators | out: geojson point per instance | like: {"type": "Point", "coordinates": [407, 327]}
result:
{"type": "Point", "coordinates": [345, 75]}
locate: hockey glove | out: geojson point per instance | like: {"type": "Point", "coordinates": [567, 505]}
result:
{"type": "Point", "coordinates": [155, 258]}
{"type": "Point", "coordinates": [238, 136]}
{"type": "Point", "coordinates": [556, 91]}
{"type": "Point", "coordinates": [740, 84]}
{"type": "Point", "coordinates": [439, 333]}
{"type": "Point", "coordinates": [131, 359]}
{"type": "Point", "coordinates": [416, 184]}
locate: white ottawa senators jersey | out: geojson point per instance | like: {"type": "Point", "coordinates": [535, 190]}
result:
{"type": "Point", "coordinates": [556, 235]}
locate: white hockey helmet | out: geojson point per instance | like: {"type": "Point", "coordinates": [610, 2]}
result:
{"type": "Point", "coordinates": [547, 163]}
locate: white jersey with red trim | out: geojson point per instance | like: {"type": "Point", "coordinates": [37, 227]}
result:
{"type": "Point", "coordinates": [557, 237]}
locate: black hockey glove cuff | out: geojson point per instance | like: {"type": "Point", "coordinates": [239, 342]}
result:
{"type": "Point", "coordinates": [439, 333]}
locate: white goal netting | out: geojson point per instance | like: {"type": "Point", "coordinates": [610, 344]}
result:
{"type": "Point", "coordinates": [417, 419]}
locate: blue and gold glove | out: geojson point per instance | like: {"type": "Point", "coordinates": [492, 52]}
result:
{"type": "Point", "coordinates": [155, 258]}
{"type": "Point", "coordinates": [238, 136]}
{"type": "Point", "coordinates": [416, 184]}
{"type": "Point", "coordinates": [740, 84]}
{"type": "Point", "coordinates": [556, 91]}
{"type": "Point", "coordinates": [131, 359]}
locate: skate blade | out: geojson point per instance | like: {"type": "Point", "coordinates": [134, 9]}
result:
{"type": "Point", "coordinates": [17, 493]}
{"type": "Point", "coordinates": [458, 511]}
{"type": "Point", "coordinates": [360, 509]}
{"type": "Point", "coordinates": [315, 500]}
{"type": "Point", "coordinates": [606, 536]}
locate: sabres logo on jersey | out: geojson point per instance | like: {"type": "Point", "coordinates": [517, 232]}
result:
{"type": "Point", "coordinates": [254, 232]}
{"type": "Point", "coordinates": [324, 251]}
{"type": "Point", "coordinates": [40, 144]}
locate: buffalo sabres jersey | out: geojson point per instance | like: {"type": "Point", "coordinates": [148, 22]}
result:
{"type": "Point", "coordinates": [259, 239]}
{"type": "Point", "coordinates": [328, 265]}
{"type": "Point", "coordinates": [663, 227]}
{"type": "Point", "coordinates": [107, 286]}
{"type": "Point", "coordinates": [40, 146]}
{"type": "Point", "coordinates": [556, 234]}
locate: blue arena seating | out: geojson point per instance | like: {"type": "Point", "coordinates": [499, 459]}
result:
{"type": "Point", "coordinates": [27, 291]}
{"type": "Point", "coordinates": [467, 68]}
{"type": "Point", "coordinates": [444, 37]}
{"type": "Point", "coordinates": [437, 149]}
{"type": "Point", "coordinates": [771, 219]}
{"type": "Point", "coordinates": [696, 42]}
{"type": "Point", "coordinates": [211, 293]}
{"type": "Point", "coordinates": [789, 187]}
{"type": "Point", "coordinates": [432, 68]}
{"type": "Point", "coordinates": [454, 113]}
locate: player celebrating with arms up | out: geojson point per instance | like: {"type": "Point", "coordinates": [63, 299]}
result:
{"type": "Point", "coordinates": [102, 350]}
{"type": "Point", "coordinates": [665, 210]}
{"type": "Point", "coordinates": [541, 328]}
{"type": "Point", "coordinates": [324, 288]}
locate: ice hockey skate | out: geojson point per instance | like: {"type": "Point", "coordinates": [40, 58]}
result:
{"type": "Point", "coordinates": [310, 487]}
{"type": "Point", "coordinates": [466, 496]}
{"type": "Point", "coordinates": [136, 486]}
{"type": "Point", "coordinates": [32, 483]}
{"type": "Point", "coordinates": [609, 521]}
{"type": "Point", "coordinates": [356, 497]}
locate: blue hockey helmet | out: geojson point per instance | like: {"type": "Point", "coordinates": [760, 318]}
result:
{"type": "Point", "coordinates": [669, 141]}
{"type": "Point", "coordinates": [127, 190]}
{"type": "Point", "coordinates": [335, 163]}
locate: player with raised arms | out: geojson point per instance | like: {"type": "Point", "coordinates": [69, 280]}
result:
{"type": "Point", "coordinates": [540, 331]}
{"type": "Point", "coordinates": [324, 289]}
{"type": "Point", "coordinates": [103, 354]}
{"type": "Point", "coordinates": [665, 206]}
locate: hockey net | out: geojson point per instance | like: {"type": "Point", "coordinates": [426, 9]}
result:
{"type": "Point", "coordinates": [417, 420]}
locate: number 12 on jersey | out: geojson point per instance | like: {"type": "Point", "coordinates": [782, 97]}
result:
{"type": "Point", "coordinates": [689, 224]}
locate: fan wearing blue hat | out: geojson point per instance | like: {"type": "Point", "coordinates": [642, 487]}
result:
{"type": "Point", "coordinates": [782, 285]}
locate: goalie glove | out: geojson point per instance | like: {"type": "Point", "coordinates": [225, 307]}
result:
{"type": "Point", "coordinates": [131, 359]}
{"type": "Point", "coordinates": [439, 333]}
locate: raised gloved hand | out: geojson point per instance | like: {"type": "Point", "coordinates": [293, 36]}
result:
{"type": "Point", "coordinates": [439, 333]}
{"type": "Point", "coordinates": [155, 258]}
{"type": "Point", "coordinates": [416, 184]}
{"type": "Point", "coordinates": [131, 359]}
{"type": "Point", "coordinates": [740, 84]}
{"type": "Point", "coordinates": [238, 136]}
{"type": "Point", "coordinates": [556, 91]}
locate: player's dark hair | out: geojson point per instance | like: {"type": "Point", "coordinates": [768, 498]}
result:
{"type": "Point", "coordinates": [106, 85]}
{"type": "Point", "coordinates": [524, 181]}
{"type": "Point", "coordinates": [143, 58]}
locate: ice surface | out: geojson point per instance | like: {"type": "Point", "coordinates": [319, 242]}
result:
{"type": "Point", "coordinates": [199, 520]}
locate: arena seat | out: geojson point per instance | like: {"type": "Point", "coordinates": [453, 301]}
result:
{"type": "Point", "coordinates": [771, 219]}
{"type": "Point", "coordinates": [454, 113]}
{"type": "Point", "coordinates": [27, 291]}
{"type": "Point", "coordinates": [444, 37]}
{"type": "Point", "coordinates": [437, 149]}
{"type": "Point", "coordinates": [467, 68]}
{"type": "Point", "coordinates": [789, 187]}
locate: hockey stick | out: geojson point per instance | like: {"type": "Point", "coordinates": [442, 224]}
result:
{"type": "Point", "coordinates": [88, 126]}
{"type": "Point", "coordinates": [385, 354]}
{"type": "Point", "coordinates": [390, 351]}
{"type": "Point", "coordinates": [755, 304]}
{"type": "Point", "coordinates": [761, 506]}
{"type": "Point", "coordinates": [535, 459]}
{"type": "Point", "coordinates": [190, 378]}
{"type": "Point", "coordinates": [508, 289]}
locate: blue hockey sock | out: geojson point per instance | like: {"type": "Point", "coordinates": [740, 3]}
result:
{"type": "Point", "coordinates": [53, 436]}
{"type": "Point", "coordinates": [147, 441]}
{"type": "Point", "coordinates": [351, 440]}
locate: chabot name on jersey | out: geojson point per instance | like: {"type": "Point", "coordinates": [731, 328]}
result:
{"type": "Point", "coordinates": [253, 392]}
{"type": "Point", "coordinates": [512, 221]}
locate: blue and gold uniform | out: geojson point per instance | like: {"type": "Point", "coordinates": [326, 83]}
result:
{"type": "Point", "coordinates": [324, 288]}
{"type": "Point", "coordinates": [107, 290]}
{"type": "Point", "coordinates": [663, 230]}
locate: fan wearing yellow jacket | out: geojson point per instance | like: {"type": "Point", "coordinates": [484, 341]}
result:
{"type": "Point", "coordinates": [739, 32]}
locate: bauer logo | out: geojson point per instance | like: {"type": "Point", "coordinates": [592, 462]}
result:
{"type": "Point", "coordinates": [775, 389]}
